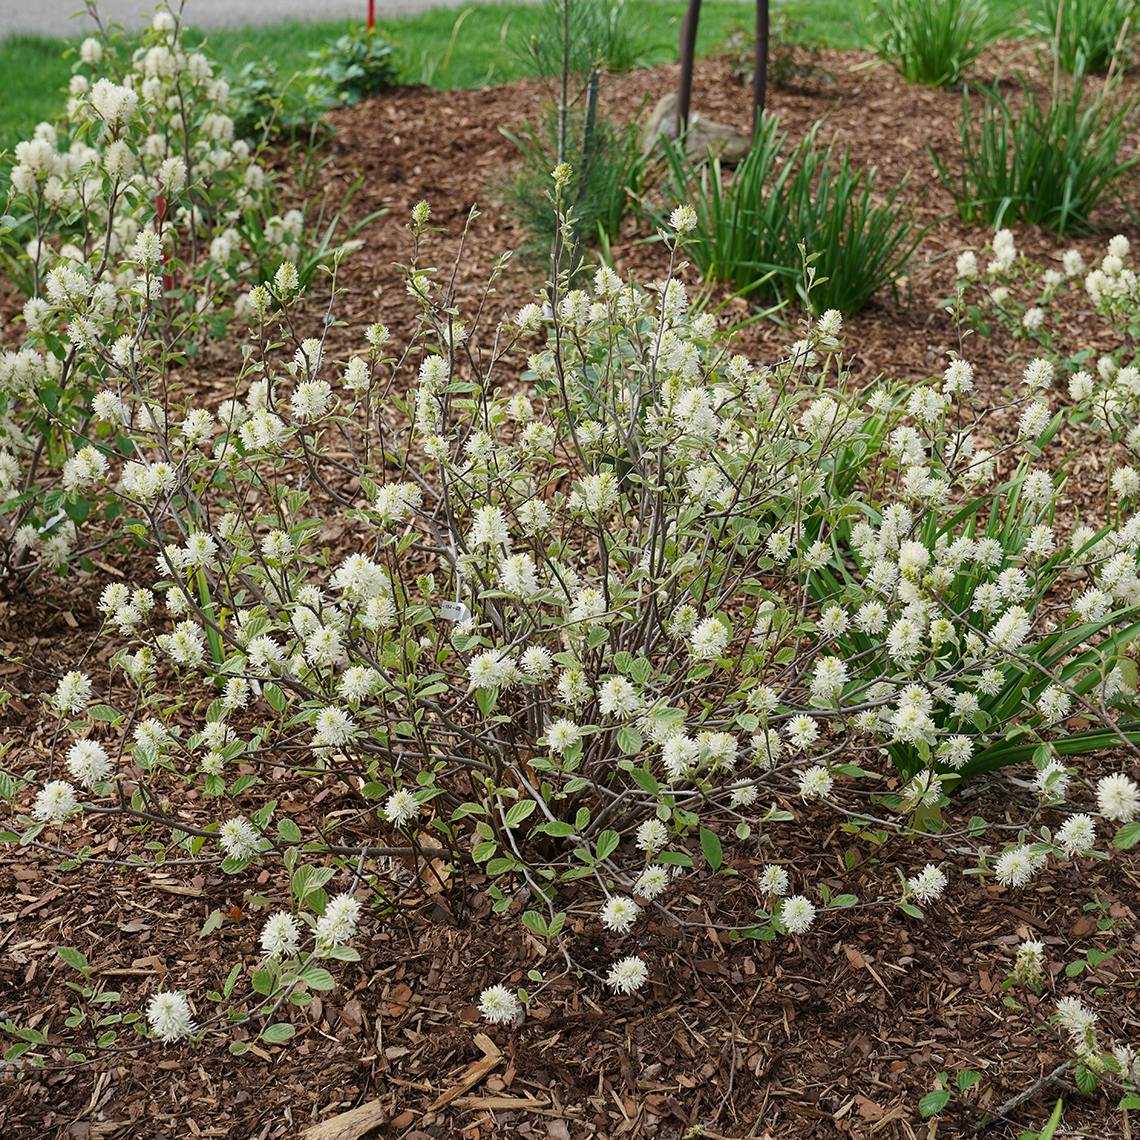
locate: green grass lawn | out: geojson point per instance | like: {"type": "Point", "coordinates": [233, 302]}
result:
{"type": "Point", "coordinates": [464, 47]}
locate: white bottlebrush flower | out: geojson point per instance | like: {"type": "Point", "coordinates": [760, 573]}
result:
{"type": "Point", "coordinates": [1029, 966]}
{"type": "Point", "coordinates": [797, 913]}
{"type": "Point", "coordinates": [1079, 1023]}
{"type": "Point", "coordinates": [338, 924]}
{"type": "Point", "coordinates": [801, 732]}
{"type": "Point", "coordinates": [239, 839]}
{"type": "Point", "coordinates": [168, 1015]}
{"type": "Point", "coordinates": [400, 807]}
{"type": "Point", "coordinates": [928, 884]}
{"type": "Point", "coordinates": [489, 528]}
{"type": "Point", "coordinates": [1052, 782]}
{"type": "Point", "coordinates": [617, 697]}
{"type": "Point", "coordinates": [88, 762]}
{"type": "Point", "coordinates": [627, 975]}
{"type": "Point", "coordinates": [828, 680]}
{"type": "Point", "coordinates": [652, 835]}
{"type": "Point", "coordinates": [619, 914]}
{"type": "Point", "coordinates": [562, 734]}
{"type": "Point", "coordinates": [55, 802]}
{"type": "Point", "coordinates": [773, 880]}
{"type": "Point", "coordinates": [537, 663]}
{"type": "Point", "coordinates": [1014, 868]}
{"type": "Point", "coordinates": [333, 726]}
{"type": "Point", "coordinates": [709, 640]}
{"type": "Point", "coordinates": [652, 881]}
{"type": "Point", "coordinates": [498, 1004]}
{"type": "Point", "coordinates": [815, 781]}
{"type": "Point", "coordinates": [1077, 835]}
{"type": "Point", "coordinates": [72, 693]}
{"type": "Point", "coordinates": [1011, 629]}
{"type": "Point", "coordinates": [280, 937]}
{"type": "Point", "coordinates": [1118, 798]}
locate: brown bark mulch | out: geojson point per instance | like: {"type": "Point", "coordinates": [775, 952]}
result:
{"type": "Point", "coordinates": [835, 1033]}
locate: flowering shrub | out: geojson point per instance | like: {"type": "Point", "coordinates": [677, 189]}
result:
{"type": "Point", "coordinates": [139, 196]}
{"type": "Point", "coordinates": [657, 589]}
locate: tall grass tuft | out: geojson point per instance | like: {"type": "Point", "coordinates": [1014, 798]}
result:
{"type": "Point", "coordinates": [749, 232]}
{"type": "Point", "coordinates": [1100, 31]}
{"type": "Point", "coordinates": [933, 42]}
{"type": "Point", "coordinates": [1052, 161]}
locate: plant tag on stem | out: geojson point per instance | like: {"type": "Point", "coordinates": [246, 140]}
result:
{"type": "Point", "coordinates": [454, 611]}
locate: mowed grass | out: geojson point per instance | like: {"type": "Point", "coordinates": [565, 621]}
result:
{"type": "Point", "coordinates": [470, 46]}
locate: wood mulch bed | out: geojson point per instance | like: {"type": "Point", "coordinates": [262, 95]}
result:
{"type": "Point", "coordinates": [835, 1033]}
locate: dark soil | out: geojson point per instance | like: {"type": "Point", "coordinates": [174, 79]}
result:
{"type": "Point", "coordinates": [835, 1033]}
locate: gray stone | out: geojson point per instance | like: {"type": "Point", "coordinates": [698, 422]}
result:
{"type": "Point", "coordinates": [703, 140]}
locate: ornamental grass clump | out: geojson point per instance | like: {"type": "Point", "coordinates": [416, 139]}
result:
{"type": "Point", "coordinates": [753, 231]}
{"type": "Point", "coordinates": [1093, 34]}
{"type": "Point", "coordinates": [1049, 160]}
{"type": "Point", "coordinates": [934, 43]}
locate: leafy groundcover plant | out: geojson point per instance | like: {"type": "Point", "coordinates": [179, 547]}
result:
{"type": "Point", "coordinates": [667, 591]}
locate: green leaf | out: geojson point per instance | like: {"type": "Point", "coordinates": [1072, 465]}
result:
{"type": "Point", "coordinates": [675, 859]}
{"type": "Point", "coordinates": [74, 959]}
{"type": "Point", "coordinates": [645, 781]}
{"type": "Point", "coordinates": [535, 923]}
{"type": "Point", "coordinates": [967, 1078]}
{"type": "Point", "coordinates": [231, 979]}
{"type": "Point", "coordinates": [845, 900]}
{"type": "Point", "coordinates": [623, 661]}
{"type": "Point", "coordinates": [211, 924]}
{"type": "Point", "coordinates": [556, 828]}
{"type": "Point", "coordinates": [274, 696]}
{"type": "Point", "coordinates": [710, 845]}
{"type": "Point", "coordinates": [240, 1048]}
{"type": "Point", "coordinates": [277, 1033]}
{"type": "Point", "coordinates": [263, 981]}
{"type": "Point", "coordinates": [607, 844]}
{"type": "Point", "coordinates": [288, 830]}
{"type": "Point", "coordinates": [629, 740]}
{"type": "Point", "coordinates": [1128, 836]}
{"type": "Point", "coordinates": [519, 812]}
{"type": "Point", "coordinates": [933, 1102]}
{"type": "Point", "coordinates": [911, 909]}
{"type": "Point", "coordinates": [1085, 1078]}
{"type": "Point", "coordinates": [317, 978]}
{"type": "Point", "coordinates": [105, 713]}
{"type": "Point", "coordinates": [484, 851]}
{"type": "Point", "coordinates": [243, 782]}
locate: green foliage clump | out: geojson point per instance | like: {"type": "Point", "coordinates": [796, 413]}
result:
{"type": "Point", "coordinates": [933, 42]}
{"type": "Point", "coordinates": [795, 54]}
{"type": "Point", "coordinates": [357, 65]}
{"type": "Point", "coordinates": [1052, 161]}
{"type": "Point", "coordinates": [1088, 34]}
{"type": "Point", "coordinates": [750, 232]}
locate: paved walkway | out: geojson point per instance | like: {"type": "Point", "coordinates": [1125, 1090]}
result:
{"type": "Point", "coordinates": [51, 17]}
